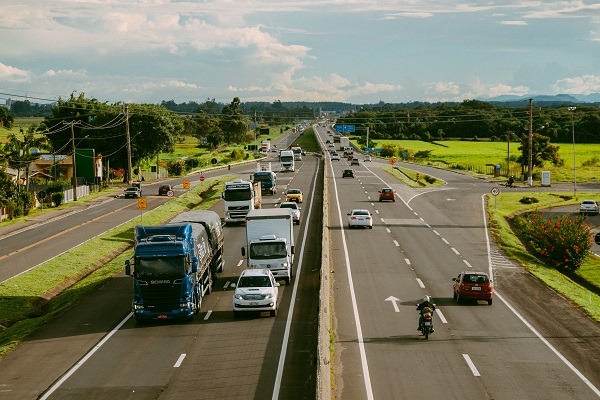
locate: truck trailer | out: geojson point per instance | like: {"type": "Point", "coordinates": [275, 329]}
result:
{"type": "Point", "coordinates": [171, 271]}
{"type": "Point", "coordinates": [270, 241]}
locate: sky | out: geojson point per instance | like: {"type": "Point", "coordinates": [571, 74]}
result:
{"type": "Point", "coordinates": [354, 51]}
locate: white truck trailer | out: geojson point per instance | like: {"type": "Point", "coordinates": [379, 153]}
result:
{"type": "Point", "coordinates": [270, 241]}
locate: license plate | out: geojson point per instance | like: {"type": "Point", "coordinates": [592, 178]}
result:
{"type": "Point", "coordinates": [427, 323]}
{"type": "Point", "coordinates": [475, 288]}
{"type": "Point", "coordinates": [254, 303]}
{"type": "Point", "coordinates": [161, 316]}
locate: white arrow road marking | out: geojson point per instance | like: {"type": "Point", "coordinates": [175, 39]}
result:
{"type": "Point", "coordinates": [394, 301]}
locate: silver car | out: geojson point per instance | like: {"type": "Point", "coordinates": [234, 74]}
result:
{"type": "Point", "coordinates": [360, 217]}
{"type": "Point", "coordinates": [295, 210]}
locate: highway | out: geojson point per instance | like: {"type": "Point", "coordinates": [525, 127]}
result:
{"type": "Point", "coordinates": [530, 344]}
{"type": "Point", "coordinates": [97, 351]}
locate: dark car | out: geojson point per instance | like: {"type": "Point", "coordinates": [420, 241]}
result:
{"type": "Point", "coordinates": [164, 190]}
{"type": "Point", "coordinates": [387, 194]}
{"type": "Point", "coordinates": [348, 173]}
{"type": "Point", "coordinates": [132, 191]}
{"type": "Point", "coordinates": [473, 286]}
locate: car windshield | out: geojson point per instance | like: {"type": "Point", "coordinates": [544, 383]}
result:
{"type": "Point", "coordinates": [475, 279]}
{"type": "Point", "coordinates": [166, 267]}
{"type": "Point", "coordinates": [254, 281]}
{"type": "Point", "coordinates": [287, 205]}
{"type": "Point", "coordinates": [237, 195]}
{"type": "Point", "coordinates": [588, 202]}
{"type": "Point", "coordinates": [267, 250]}
{"type": "Point", "coordinates": [293, 191]}
{"type": "Point", "coordinates": [360, 212]}
{"type": "Point", "coordinates": [386, 191]}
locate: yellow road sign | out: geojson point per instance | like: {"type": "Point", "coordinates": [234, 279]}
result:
{"type": "Point", "coordinates": [186, 184]}
{"type": "Point", "coordinates": [142, 203]}
{"type": "Point", "coordinates": [392, 160]}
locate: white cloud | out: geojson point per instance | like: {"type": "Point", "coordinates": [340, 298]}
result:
{"type": "Point", "coordinates": [584, 84]}
{"type": "Point", "coordinates": [12, 74]}
{"type": "Point", "coordinates": [514, 23]}
{"type": "Point", "coordinates": [181, 84]}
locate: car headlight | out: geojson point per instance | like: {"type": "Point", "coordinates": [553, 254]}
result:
{"type": "Point", "coordinates": [237, 296]}
{"type": "Point", "coordinates": [285, 265]}
{"type": "Point", "coordinates": [269, 296]}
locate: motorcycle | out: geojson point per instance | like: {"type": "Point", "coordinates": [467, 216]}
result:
{"type": "Point", "coordinates": [427, 324]}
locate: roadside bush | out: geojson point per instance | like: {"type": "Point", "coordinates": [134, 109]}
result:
{"type": "Point", "coordinates": [529, 200]}
{"type": "Point", "coordinates": [429, 179]}
{"type": "Point", "coordinates": [57, 198]}
{"type": "Point", "coordinates": [562, 242]}
{"type": "Point", "coordinates": [175, 167]}
{"type": "Point", "coordinates": [237, 154]}
{"type": "Point", "coordinates": [192, 163]}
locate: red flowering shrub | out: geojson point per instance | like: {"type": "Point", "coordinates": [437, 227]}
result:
{"type": "Point", "coordinates": [562, 242]}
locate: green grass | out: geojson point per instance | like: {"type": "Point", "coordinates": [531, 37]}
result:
{"type": "Point", "coordinates": [506, 205]}
{"type": "Point", "coordinates": [411, 177]}
{"type": "Point", "coordinates": [28, 301]}
{"type": "Point", "coordinates": [479, 154]}
{"type": "Point", "coordinates": [307, 141]}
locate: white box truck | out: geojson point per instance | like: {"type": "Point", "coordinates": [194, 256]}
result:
{"type": "Point", "coordinates": [270, 241]}
{"type": "Point", "coordinates": [286, 159]}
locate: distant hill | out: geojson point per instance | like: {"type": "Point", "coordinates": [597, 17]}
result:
{"type": "Point", "coordinates": [558, 98]}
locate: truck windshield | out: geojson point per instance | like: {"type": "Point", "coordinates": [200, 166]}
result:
{"type": "Point", "coordinates": [287, 158]}
{"type": "Point", "coordinates": [237, 195]}
{"type": "Point", "coordinates": [262, 177]}
{"type": "Point", "coordinates": [172, 267]}
{"type": "Point", "coordinates": [263, 251]}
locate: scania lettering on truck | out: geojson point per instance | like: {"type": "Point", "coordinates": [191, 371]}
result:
{"type": "Point", "coordinates": [270, 241]}
{"type": "Point", "coordinates": [171, 271]}
{"type": "Point", "coordinates": [239, 197]}
{"type": "Point", "coordinates": [286, 158]}
{"type": "Point", "coordinates": [297, 153]}
{"type": "Point", "coordinates": [266, 177]}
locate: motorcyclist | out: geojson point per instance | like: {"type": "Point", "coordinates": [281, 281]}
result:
{"type": "Point", "coordinates": [426, 303]}
{"type": "Point", "coordinates": [510, 182]}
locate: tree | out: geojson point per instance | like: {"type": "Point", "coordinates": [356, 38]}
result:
{"type": "Point", "coordinates": [19, 154]}
{"type": "Point", "coordinates": [233, 122]}
{"type": "Point", "coordinates": [542, 151]}
{"type": "Point", "coordinates": [204, 127]}
{"type": "Point", "coordinates": [6, 120]}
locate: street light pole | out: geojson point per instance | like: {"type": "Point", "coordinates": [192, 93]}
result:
{"type": "Point", "coordinates": [530, 170]}
{"type": "Point", "coordinates": [574, 168]}
{"type": "Point", "coordinates": [74, 180]}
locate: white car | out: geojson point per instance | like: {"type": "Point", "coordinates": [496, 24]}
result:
{"type": "Point", "coordinates": [360, 217]}
{"type": "Point", "coordinates": [295, 210]}
{"type": "Point", "coordinates": [256, 290]}
{"type": "Point", "coordinates": [335, 157]}
{"type": "Point", "coordinates": [589, 207]}
{"type": "Point", "coordinates": [367, 158]}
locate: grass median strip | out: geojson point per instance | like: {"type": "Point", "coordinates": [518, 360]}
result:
{"type": "Point", "coordinates": [28, 301]}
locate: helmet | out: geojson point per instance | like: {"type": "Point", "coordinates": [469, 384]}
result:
{"type": "Point", "coordinates": [426, 298]}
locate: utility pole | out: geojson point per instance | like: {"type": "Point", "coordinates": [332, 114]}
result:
{"type": "Point", "coordinates": [129, 166]}
{"type": "Point", "coordinates": [573, 131]}
{"type": "Point", "coordinates": [74, 179]}
{"type": "Point", "coordinates": [508, 154]}
{"type": "Point", "coordinates": [367, 137]}
{"type": "Point", "coordinates": [530, 170]}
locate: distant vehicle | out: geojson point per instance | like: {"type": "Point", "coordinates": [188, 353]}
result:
{"type": "Point", "coordinates": [589, 207]}
{"type": "Point", "coordinates": [266, 177]}
{"type": "Point", "coordinates": [295, 210]}
{"type": "Point", "coordinates": [294, 195]}
{"type": "Point", "coordinates": [387, 194]}
{"type": "Point", "coordinates": [256, 290]}
{"type": "Point", "coordinates": [360, 218]}
{"type": "Point", "coordinates": [239, 197]}
{"type": "Point", "coordinates": [132, 191]}
{"type": "Point", "coordinates": [335, 157]}
{"type": "Point", "coordinates": [297, 153]}
{"type": "Point", "coordinates": [367, 158]}
{"type": "Point", "coordinates": [164, 190]}
{"type": "Point", "coordinates": [348, 173]}
{"type": "Point", "coordinates": [474, 286]}
{"type": "Point", "coordinates": [331, 145]}
{"type": "Point", "coordinates": [286, 158]}
{"type": "Point", "coordinates": [354, 161]}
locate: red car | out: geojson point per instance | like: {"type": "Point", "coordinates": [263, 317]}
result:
{"type": "Point", "coordinates": [387, 194]}
{"type": "Point", "coordinates": [473, 286]}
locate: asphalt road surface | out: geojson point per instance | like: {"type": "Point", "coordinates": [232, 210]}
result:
{"type": "Point", "coordinates": [530, 344]}
{"type": "Point", "coordinates": [97, 351]}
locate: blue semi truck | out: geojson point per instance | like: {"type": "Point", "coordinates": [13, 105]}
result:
{"type": "Point", "coordinates": [174, 266]}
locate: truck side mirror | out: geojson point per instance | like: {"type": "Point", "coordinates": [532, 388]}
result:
{"type": "Point", "coordinates": [293, 250]}
{"type": "Point", "coordinates": [243, 252]}
{"type": "Point", "coordinates": [127, 267]}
